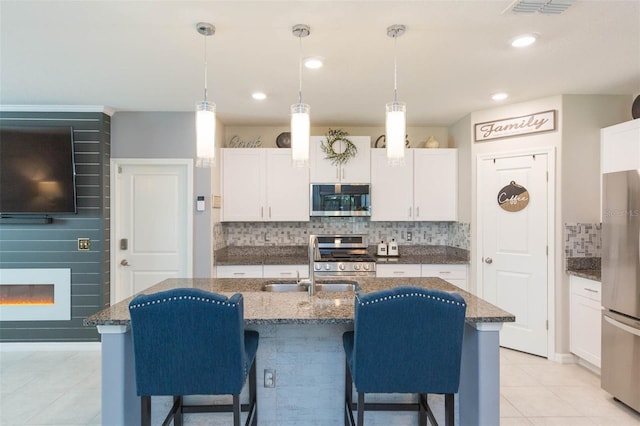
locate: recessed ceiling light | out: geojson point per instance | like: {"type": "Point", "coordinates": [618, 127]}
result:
{"type": "Point", "coordinates": [524, 40]}
{"type": "Point", "coordinates": [499, 96]}
{"type": "Point", "coordinates": [313, 62]}
{"type": "Point", "coordinates": [259, 96]}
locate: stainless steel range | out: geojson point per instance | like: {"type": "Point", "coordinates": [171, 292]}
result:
{"type": "Point", "coordinates": [343, 255]}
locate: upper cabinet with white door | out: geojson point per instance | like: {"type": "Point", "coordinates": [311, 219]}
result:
{"type": "Point", "coordinates": [356, 170]}
{"type": "Point", "coordinates": [620, 147]}
{"type": "Point", "coordinates": [262, 185]}
{"type": "Point", "coordinates": [423, 189]}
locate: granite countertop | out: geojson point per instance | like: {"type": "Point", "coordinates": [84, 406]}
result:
{"type": "Point", "coordinates": [298, 255]}
{"type": "Point", "coordinates": [298, 307]}
{"type": "Point", "coordinates": [585, 267]}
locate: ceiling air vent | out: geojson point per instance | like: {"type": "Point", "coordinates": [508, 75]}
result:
{"type": "Point", "coordinates": [554, 7]}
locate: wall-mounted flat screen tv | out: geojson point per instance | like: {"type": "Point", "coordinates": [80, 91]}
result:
{"type": "Point", "coordinates": [37, 170]}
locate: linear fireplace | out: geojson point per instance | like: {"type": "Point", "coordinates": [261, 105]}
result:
{"type": "Point", "coordinates": [35, 294]}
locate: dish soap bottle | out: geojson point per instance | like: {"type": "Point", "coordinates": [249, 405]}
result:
{"type": "Point", "coordinates": [382, 249]}
{"type": "Point", "coordinates": [393, 248]}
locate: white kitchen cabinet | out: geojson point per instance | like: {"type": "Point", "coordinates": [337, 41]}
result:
{"type": "Point", "coordinates": [452, 273]}
{"type": "Point", "coordinates": [620, 147]}
{"type": "Point", "coordinates": [585, 319]}
{"type": "Point", "coordinates": [424, 189]}
{"type": "Point", "coordinates": [239, 271]}
{"type": "Point", "coordinates": [356, 170]}
{"type": "Point", "coordinates": [261, 185]}
{"type": "Point", "coordinates": [262, 271]}
{"type": "Point", "coordinates": [406, 270]}
{"type": "Point", "coordinates": [285, 271]}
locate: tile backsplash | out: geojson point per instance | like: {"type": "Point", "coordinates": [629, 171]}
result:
{"type": "Point", "coordinates": [582, 239]}
{"type": "Point", "coordinates": [453, 234]}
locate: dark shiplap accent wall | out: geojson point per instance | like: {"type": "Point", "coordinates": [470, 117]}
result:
{"type": "Point", "coordinates": [55, 245]}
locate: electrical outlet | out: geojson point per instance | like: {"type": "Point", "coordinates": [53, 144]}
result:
{"type": "Point", "coordinates": [409, 235]}
{"type": "Point", "coordinates": [84, 244]}
{"type": "Point", "coordinates": [269, 378]}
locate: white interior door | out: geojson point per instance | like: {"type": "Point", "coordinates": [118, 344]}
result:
{"type": "Point", "coordinates": [152, 223]}
{"type": "Point", "coordinates": [514, 246]}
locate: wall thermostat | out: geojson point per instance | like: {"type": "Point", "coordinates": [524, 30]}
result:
{"type": "Point", "coordinates": [200, 203]}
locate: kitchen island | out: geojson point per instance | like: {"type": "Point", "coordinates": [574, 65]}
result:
{"type": "Point", "coordinates": [301, 339]}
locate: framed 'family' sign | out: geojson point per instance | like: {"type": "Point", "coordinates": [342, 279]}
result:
{"type": "Point", "coordinates": [533, 123]}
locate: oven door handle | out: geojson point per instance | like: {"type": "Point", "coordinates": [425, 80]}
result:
{"type": "Point", "coordinates": [624, 327]}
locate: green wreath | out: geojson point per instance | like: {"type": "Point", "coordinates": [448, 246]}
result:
{"type": "Point", "coordinates": [334, 156]}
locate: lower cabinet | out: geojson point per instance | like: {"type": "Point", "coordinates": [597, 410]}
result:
{"type": "Point", "coordinates": [239, 271]}
{"type": "Point", "coordinates": [262, 271]}
{"type": "Point", "coordinates": [397, 270]}
{"type": "Point", "coordinates": [455, 274]}
{"type": "Point", "coordinates": [585, 319]}
{"type": "Point", "coordinates": [285, 271]}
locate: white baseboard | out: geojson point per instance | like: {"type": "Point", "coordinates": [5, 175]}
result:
{"type": "Point", "coordinates": [564, 358]}
{"type": "Point", "coordinates": [49, 346]}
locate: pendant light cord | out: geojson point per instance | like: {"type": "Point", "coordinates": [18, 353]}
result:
{"type": "Point", "coordinates": [300, 70]}
{"type": "Point", "coordinates": [205, 68]}
{"type": "Point", "coordinates": [395, 69]}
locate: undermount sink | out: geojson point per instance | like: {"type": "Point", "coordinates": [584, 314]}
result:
{"type": "Point", "coordinates": [292, 286]}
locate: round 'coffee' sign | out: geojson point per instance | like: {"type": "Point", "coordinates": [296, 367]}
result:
{"type": "Point", "coordinates": [513, 197]}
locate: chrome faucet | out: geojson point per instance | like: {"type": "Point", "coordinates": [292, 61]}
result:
{"type": "Point", "coordinates": [314, 253]}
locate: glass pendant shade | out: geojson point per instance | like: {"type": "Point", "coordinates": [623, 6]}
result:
{"type": "Point", "coordinates": [300, 132]}
{"type": "Point", "coordinates": [205, 134]}
{"type": "Point", "coordinates": [395, 132]}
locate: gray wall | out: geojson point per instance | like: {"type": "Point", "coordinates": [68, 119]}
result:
{"type": "Point", "coordinates": [55, 245]}
{"type": "Point", "coordinates": [170, 135]}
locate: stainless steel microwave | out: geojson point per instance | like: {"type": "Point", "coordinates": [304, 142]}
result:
{"type": "Point", "coordinates": [340, 200]}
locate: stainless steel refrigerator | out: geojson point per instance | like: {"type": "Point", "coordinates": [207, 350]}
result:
{"type": "Point", "coordinates": [620, 368]}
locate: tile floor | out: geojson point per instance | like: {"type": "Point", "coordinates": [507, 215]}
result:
{"type": "Point", "coordinates": [63, 388]}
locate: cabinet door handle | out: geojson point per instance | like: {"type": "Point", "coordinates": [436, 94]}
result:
{"type": "Point", "coordinates": [417, 211]}
{"type": "Point", "coordinates": [238, 273]}
{"type": "Point", "coordinates": [398, 272]}
{"type": "Point", "coordinates": [262, 212]}
{"type": "Point", "coordinates": [269, 212]}
{"type": "Point", "coordinates": [444, 272]}
{"type": "Point", "coordinates": [410, 209]}
{"type": "Point", "coordinates": [342, 168]}
{"type": "Point", "coordinates": [286, 273]}
{"type": "Point", "coordinates": [591, 290]}
{"type": "Point", "coordinates": [337, 172]}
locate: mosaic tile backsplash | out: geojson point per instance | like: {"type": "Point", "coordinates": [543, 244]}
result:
{"type": "Point", "coordinates": [582, 239]}
{"type": "Point", "coordinates": [452, 234]}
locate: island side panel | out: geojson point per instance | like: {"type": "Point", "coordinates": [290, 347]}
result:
{"type": "Point", "coordinates": [479, 392]}
{"type": "Point", "coordinates": [120, 404]}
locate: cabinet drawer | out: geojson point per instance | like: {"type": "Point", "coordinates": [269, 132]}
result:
{"type": "Point", "coordinates": [397, 270]}
{"type": "Point", "coordinates": [445, 271]}
{"type": "Point", "coordinates": [586, 288]}
{"type": "Point", "coordinates": [239, 271]}
{"type": "Point", "coordinates": [285, 271]}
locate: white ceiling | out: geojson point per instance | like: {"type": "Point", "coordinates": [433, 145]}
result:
{"type": "Point", "coordinates": [147, 56]}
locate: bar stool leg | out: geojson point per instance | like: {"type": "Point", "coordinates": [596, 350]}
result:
{"type": "Point", "coordinates": [360, 408]}
{"type": "Point", "coordinates": [449, 409]}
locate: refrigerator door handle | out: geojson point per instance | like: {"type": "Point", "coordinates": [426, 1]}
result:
{"type": "Point", "coordinates": [622, 326]}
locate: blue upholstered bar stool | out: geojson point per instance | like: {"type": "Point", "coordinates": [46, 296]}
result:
{"type": "Point", "coordinates": [191, 342]}
{"type": "Point", "coordinates": [405, 340]}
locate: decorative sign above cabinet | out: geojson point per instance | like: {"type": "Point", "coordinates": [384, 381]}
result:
{"type": "Point", "coordinates": [236, 142]}
{"type": "Point", "coordinates": [533, 123]}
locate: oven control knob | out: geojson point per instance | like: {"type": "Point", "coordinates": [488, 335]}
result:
{"type": "Point", "coordinates": [356, 267]}
{"type": "Point", "coordinates": [366, 267]}
{"type": "Point", "coordinates": [318, 267]}
{"type": "Point", "coordinates": [327, 266]}
{"type": "Point", "coordinates": [341, 266]}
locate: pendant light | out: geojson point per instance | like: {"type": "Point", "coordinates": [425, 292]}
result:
{"type": "Point", "coordinates": [205, 113]}
{"type": "Point", "coordinates": [396, 111]}
{"type": "Point", "coordinates": [300, 121]}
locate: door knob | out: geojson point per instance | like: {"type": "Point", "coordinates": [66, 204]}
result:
{"type": "Point", "coordinates": [124, 262]}
{"type": "Point", "coordinates": [488, 260]}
